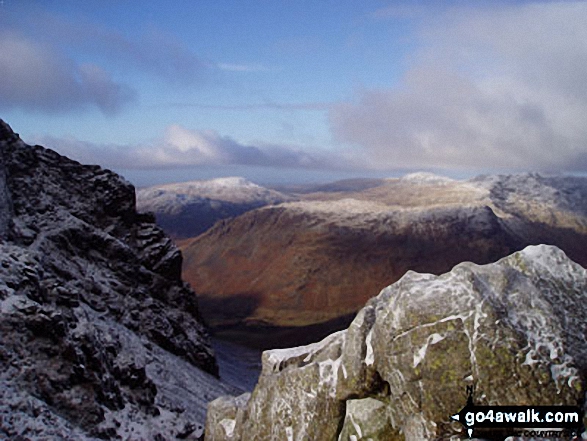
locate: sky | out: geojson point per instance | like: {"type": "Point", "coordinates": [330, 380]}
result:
{"type": "Point", "coordinates": [290, 91]}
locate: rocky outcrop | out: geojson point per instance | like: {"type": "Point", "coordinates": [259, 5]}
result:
{"type": "Point", "coordinates": [5, 202]}
{"type": "Point", "coordinates": [319, 260]}
{"type": "Point", "coordinates": [93, 312]}
{"type": "Point", "coordinates": [542, 209]}
{"type": "Point", "coordinates": [515, 330]}
{"type": "Point", "coordinates": [187, 209]}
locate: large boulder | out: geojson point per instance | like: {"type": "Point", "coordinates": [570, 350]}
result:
{"type": "Point", "coordinates": [515, 330]}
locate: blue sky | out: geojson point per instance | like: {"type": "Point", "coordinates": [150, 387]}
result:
{"type": "Point", "coordinates": [299, 90]}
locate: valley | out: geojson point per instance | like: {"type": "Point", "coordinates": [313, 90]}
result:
{"type": "Point", "coordinates": [292, 272]}
{"type": "Point", "coordinates": [293, 220]}
{"type": "Point", "coordinates": [362, 284]}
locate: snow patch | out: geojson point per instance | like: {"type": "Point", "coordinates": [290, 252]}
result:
{"type": "Point", "coordinates": [431, 340]}
{"type": "Point", "coordinates": [356, 426]}
{"type": "Point", "coordinates": [275, 360]}
{"type": "Point", "coordinates": [228, 425]}
{"type": "Point", "coordinates": [369, 356]}
{"type": "Point", "coordinates": [289, 433]}
{"type": "Point", "coordinates": [16, 303]}
{"type": "Point", "coordinates": [344, 371]}
{"type": "Point", "coordinates": [426, 178]}
{"type": "Point", "coordinates": [329, 374]}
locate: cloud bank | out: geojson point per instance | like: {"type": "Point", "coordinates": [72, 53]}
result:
{"type": "Point", "coordinates": [39, 73]}
{"type": "Point", "coordinates": [499, 86]}
{"type": "Point", "coordinates": [180, 147]}
{"type": "Point", "coordinates": [35, 77]}
{"type": "Point", "coordinates": [153, 50]}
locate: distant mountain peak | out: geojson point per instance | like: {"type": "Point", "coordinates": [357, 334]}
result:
{"type": "Point", "coordinates": [426, 177]}
{"type": "Point", "coordinates": [233, 181]}
{"type": "Point", "coordinates": [202, 184]}
{"type": "Point", "coordinates": [186, 209]}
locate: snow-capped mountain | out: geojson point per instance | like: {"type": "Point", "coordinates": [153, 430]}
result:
{"type": "Point", "coordinates": [317, 260]}
{"type": "Point", "coordinates": [189, 208]}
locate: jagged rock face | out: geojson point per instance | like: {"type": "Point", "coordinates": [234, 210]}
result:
{"type": "Point", "coordinates": [514, 329]}
{"type": "Point", "coordinates": [92, 308]}
{"type": "Point", "coordinates": [188, 209]}
{"type": "Point", "coordinates": [314, 261]}
{"type": "Point", "coordinates": [549, 210]}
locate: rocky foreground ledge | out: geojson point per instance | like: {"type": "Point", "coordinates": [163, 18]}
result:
{"type": "Point", "coordinates": [99, 337]}
{"type": "Point", "coordinates": [514, 329]}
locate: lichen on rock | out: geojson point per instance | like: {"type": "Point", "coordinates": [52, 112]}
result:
{"type": "Point", "coordinates": [513, 329]}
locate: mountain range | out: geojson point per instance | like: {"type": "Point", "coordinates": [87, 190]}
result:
{"type": "Point", "coordinates": [100, 338]}
{"type": "Point", "coordinates": [302, 268]}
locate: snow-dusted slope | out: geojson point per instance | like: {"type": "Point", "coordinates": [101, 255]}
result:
{"type": "Point", "coordinates": [231, 189]}
{"type": "Point", "coordinates": [189, 208]}
{"type": "Point", "coordinates": [426, 178]}
{"type": "Point", "coordinates": [99, 336]}
{"type": "Point", "coordinates": [318, 259]}
{"type": "Point", "coordinates": [552, 200]}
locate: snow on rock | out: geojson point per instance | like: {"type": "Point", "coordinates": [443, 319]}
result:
{"type": "Point", "coordinates": [369, 356]}
{"type": "Point", "coordinates": [99, 336]}
{"type": "Point", "coordinates": [514, 329]}
{"type": "Point", "coordinates": [276, 360]}
{"type": "Point", "coordinates": [557, 201]}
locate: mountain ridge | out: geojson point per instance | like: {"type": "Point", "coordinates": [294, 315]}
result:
{"type": "Point", "coordinates": [327, 253]}
{"type": "Point", "coordinates": [187, 209]}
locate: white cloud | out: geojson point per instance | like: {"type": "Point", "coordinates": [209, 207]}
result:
{"type": "Point", "coordinates": [498, 86]}
{"type": "Point", "coordinates": [180, 147]}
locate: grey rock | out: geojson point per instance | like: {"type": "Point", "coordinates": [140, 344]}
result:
{"type": "Point", "coordinates": [514, 329]}
{"type": "Point", "coordinates": [228, 414]}
{"type": "Point", "coordinates": [95, 321]}
{"type": "Point", "coordinates": [367, 418]}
